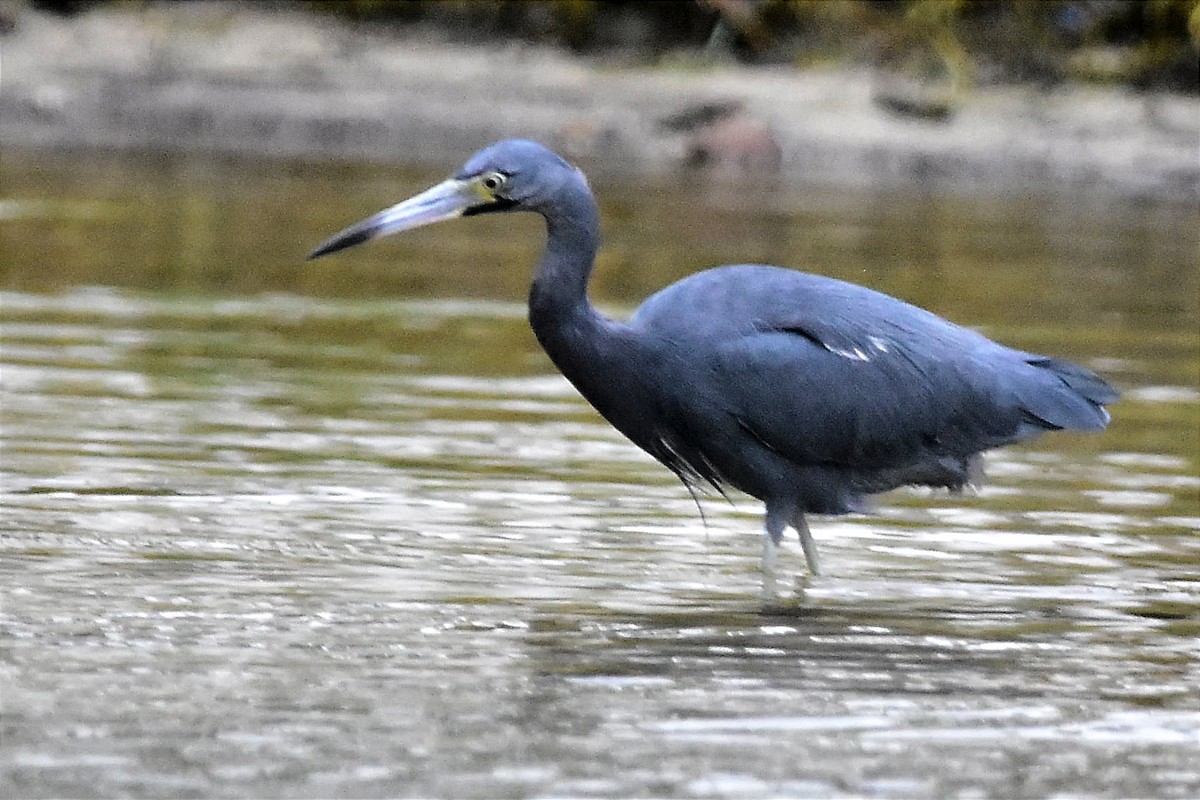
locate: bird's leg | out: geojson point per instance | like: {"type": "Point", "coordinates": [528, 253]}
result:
{"type": "Point", "coordinates": [775, 523]}
{"type": "Point", "coordinates": [806, 541]}
{"type": "Point", "coordinates": [770, 586]}
{"type": "Point", "coordinates": [770, 554]}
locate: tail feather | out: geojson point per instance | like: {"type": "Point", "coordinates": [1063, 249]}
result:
{"type": "Point", "coordinates": [1067, 396]}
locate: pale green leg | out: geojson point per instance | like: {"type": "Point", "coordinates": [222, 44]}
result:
{"type": "Point", "coordinates": [807, 542]}
{"type": "Point", "coordinates": [770, 586]}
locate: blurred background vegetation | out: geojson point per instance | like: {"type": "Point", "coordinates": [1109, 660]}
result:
{"type": "Point", "coordinates": [1151, 44]}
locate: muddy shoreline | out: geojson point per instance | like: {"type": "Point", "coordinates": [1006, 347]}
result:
{"type": "Point", "coordinates": [231, 79]}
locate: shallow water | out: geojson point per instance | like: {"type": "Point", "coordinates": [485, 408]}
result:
{"type": "Point", "coordinates": [277, 529]}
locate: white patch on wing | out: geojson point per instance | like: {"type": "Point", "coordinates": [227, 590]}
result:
{"type": "Point", "coordinates": [878, 345]}
{"type": "Point", "coordinates": [854, 355]}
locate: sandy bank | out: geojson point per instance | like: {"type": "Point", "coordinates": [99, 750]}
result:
{"type": "Point", "coordinates": [231, 78]}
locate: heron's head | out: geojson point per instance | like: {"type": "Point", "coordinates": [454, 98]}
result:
{"type": "Point", "coordinates": [512, 175]}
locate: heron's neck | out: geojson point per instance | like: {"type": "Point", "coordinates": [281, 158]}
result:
{"type": "Point", "coordinates": [599, 356]}
{"type": "Point", "coordinates": [558, 299]}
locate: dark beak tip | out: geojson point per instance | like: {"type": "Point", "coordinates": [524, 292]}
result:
{"type": "Point", "coordinates": [341, 241]}
{"type": "Point", "coordinates": [318, 252]}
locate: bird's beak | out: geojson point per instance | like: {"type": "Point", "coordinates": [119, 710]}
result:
{"type": "Point", "coordinates": [447, 200]}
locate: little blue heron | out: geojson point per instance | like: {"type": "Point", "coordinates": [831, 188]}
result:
{"type": "Point", "coordinates": [806, 392]}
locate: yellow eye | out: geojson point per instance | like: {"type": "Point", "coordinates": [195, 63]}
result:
{"type": "Point", "coordinates": [493, 181]}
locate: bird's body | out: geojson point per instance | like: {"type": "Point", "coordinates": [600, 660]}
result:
{"type": "Point", "coordinates": [806, 392]}
{"type": "Point", "coordinates": [827, 391]}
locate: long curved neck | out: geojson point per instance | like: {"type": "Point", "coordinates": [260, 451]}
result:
{"type": "Point", "coordinates": [559, 311]}
{"type": "Point", "coordinates": [605, 360]}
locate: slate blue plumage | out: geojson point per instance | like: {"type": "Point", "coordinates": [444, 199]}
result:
{"type": "Point", "coordinates": [806, 392]}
